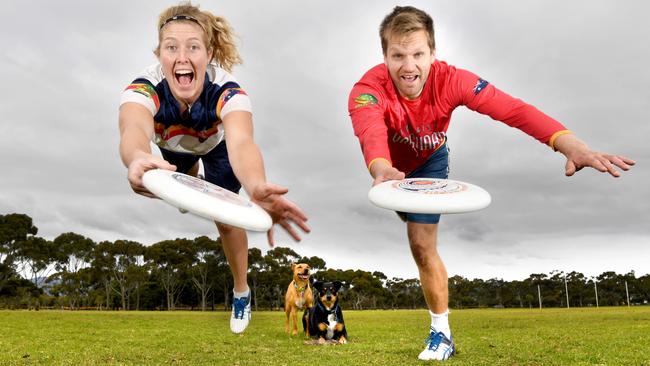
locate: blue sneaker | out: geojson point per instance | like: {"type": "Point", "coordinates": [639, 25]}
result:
{"type": "Point", "coordinates": [439, 347]}
{"type": "Point", "coordinates": [241, 314]}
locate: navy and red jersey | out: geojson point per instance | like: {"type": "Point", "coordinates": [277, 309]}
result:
{"type": "Point", "coordinates": [406, 132]}
{"type": "Point", "coordinates": [200, 129]}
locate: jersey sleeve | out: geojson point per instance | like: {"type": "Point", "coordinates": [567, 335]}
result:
{"type": "Point", "coordinates": [230, 96]}
{"type": "Point", "coordinates": [366, 108]}
{"type": "Point", "coordinates": [479, 95]}
{"type": "Point", "coordinates": [233, 98]}
{"type": "Point", "coordinates": [142, 90]}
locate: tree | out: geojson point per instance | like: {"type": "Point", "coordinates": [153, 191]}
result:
{"type": "Point", "coordinates": [460, 292]}
{"type": "Point", "coordinates": [220, 275]}
{"type": "Point", "coordinates": [102, 264]}
{"type": "Point", "coordinates": [126, 255]}
{"type": "Point", "coordinates": [14, 229]}
{"type": "Point", "coordinates": [643, 286]}
{"type": "Point", "coordinates": [578, 289]}
{"type": "Point", "coordinates": [611, 289]}
{"type": "Point", "coordinates": [172, 259]}
{"type": "Point", "coordinates": [256, 265]}
{"type": "Point", "coordinates": [72, 253]}
{"type": "Point", "coordinates": [205, 250]}
{"type": "Point", "coordinates": [36, 255]}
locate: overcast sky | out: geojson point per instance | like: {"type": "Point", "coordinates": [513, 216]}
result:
{"type": "Point", "coordinates": [585, 63]}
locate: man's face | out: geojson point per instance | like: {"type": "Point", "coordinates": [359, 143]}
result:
{"type": "Point", "coordinates": [184, 58]}
{"type": "Point", "coordinates": [409, 60]}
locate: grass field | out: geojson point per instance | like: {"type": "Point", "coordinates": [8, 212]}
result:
{"type": "Point", "coordinates": [605, 336]}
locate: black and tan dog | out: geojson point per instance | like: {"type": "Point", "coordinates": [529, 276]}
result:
{"type": "Point", "coordinates": [299, 295]}
{"type": "Point", "coordinates": [325, 319]}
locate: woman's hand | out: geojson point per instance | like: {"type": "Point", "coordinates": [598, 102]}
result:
{"type": "Point", "coordinates": [139, 166]}
{"type": "Point", "coordinates": [282, 211]}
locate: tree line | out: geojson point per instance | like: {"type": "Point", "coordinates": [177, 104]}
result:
{"type": "Point", "coordinates": [74, 272]}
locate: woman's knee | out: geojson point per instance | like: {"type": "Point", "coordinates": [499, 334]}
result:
{"type": "Point", "coordinates": [225, 229]}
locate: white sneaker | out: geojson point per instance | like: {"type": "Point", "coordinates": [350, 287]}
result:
{"type": "Point", "coordinates": [241, 314]}
{"type": "Point", "coordinates": [439, 347]}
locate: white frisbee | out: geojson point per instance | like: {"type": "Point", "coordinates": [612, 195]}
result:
{"type": "Point", "coordinates": [206, 199]}
{"type": "Point", "coordinates": [429, 196]}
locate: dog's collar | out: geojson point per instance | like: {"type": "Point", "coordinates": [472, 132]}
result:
{"type": "Point", "coordinates": [298, 288]}
{"type": "Point", "coordinates": [331, 311]}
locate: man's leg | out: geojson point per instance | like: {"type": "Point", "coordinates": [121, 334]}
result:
{"type": "Point", "coordinates": [433, 279]}
{"type": "Point", "coordinates": [235, 247]}
{"type": "Point", "coordinates": [433, 274]}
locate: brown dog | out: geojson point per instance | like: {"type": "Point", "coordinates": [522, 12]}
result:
{"type": "Point", "coordinates": [299, 295]}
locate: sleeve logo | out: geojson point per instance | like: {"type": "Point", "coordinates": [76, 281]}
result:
{"type": "Point", "coordinates": [145, 89]}
{"type": "Point", "coordinates": [480, 85]}
{"type": "Point", "coordinates": [364, 100]}
{"type": "Point", "coordinates": [226, 96]}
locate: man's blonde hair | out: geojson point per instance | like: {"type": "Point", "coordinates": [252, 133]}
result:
{"type": "Point", "coordinates": [404, 20]}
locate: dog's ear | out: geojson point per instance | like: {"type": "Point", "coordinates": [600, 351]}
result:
{"type": "Point", "coordinates": [337, 285]}
{"type": "Point", "coordinates": [293, 267]}
{"type": "Point", "coordinates": [318, 285]}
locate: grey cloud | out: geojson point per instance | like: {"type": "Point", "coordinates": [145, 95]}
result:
{"type": "Point", "coordinates": [584, 63]}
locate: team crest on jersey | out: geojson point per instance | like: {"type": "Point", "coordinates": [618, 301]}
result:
{"type": "Point", "coordinates": [480, 85]}
{"type": "Point", "coordinates": [364, 100]}
{"type": "Point", "coordinates": [146, 90]}
{"type": "Point", "coordinates": [226, 96]}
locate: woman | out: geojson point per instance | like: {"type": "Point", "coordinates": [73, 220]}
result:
{"type": "Point", "coordinates": [192, 108]}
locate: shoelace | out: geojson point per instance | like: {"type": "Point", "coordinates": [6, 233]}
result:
{"type": "Point", "coordinates": [434, 340]}
{"type": "Point", "coordinates": [240, 305]}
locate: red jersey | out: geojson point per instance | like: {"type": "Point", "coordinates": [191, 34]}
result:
{"type": "Point", "coordinates": [406, 132]}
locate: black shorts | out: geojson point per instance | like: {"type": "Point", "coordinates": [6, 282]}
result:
{"type": "Point", "coordinates": [215, 164]}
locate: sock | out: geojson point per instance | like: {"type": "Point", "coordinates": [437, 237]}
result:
{"type": "Point", "coordinates": [440, 322]}
{"type": "Point", "coordinates": [237, 295]}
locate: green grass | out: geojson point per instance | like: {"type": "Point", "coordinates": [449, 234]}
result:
{"type": "Point", "coordinates": [605, 336]}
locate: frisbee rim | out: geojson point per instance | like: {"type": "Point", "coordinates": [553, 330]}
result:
{"type": "Point", "coordinates": [244, 214]}
{"type": "Point", "coordinates": [469, 198]}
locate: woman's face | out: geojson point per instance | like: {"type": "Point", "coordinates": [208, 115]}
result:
{"type": "Point", "coordinates": [184, 58]}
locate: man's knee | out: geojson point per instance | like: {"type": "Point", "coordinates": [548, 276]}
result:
{"type": "Point", "coordinates": [423, 254]}
{"type": "Point", "coordinates": [422, 240]}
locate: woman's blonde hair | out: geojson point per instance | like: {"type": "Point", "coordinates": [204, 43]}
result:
{"type": "Point", "coordinates": [219, 36]}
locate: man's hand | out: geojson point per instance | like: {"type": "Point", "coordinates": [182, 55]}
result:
{"type": "Point", "coordinates": [382, 171]}
{"type": "Point", "coordinates": [579, 155]}
{"type": "Point", "coordinates": [282, 211]}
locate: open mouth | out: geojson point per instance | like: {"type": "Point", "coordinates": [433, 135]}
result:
{"type": "Point", "coordinates": [304, 276]}
{"type": "Point", "coordinates": [184, 77]}
{"type": "Point", "coordinates": [410, 78]}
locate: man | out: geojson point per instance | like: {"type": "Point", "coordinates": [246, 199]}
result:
{"type": "Point", "coordinates": [400, 112]}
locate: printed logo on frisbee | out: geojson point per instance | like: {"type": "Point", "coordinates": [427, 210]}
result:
{"type": "Point", "coordinates": [211, 189]}
{"type": "Point", "coordinates": [429, 186]}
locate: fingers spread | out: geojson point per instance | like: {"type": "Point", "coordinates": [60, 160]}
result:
{"type": "Point", "coordinates": [269, 189]}
{"type": "Point", "coordinates": [627, 161]}
{"type": "Point", "coordinates": [570, 168]}
{"type": "Point", "coordinates": [622, 162]}
{"type": "Point", "coordinates": [289, 229]}
{"type": "Point", "coordinates": [269, 237]}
